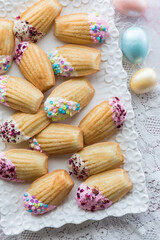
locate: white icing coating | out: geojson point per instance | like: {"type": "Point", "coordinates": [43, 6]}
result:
{"type": "Point", "coordinates": [77, 167]}
{"type": "Point", "coordinates": [11, 133]}
{"type": "Point", "coordinates": [25, 31]}
{"type": "Point", "coordinates": [60, 109]}
{"type": "Point", "coordinates": [60, 65]}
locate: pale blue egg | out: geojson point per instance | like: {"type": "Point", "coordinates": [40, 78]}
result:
{"type": "Point", "coordinates": [135, 44]}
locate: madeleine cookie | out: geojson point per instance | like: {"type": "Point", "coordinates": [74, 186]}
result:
{"type": "Point", "coordinates": [74, 60]}
{"type": "Point", "coordinates": [36, 21]}
{"type": "Point", "coordinates": [58, 139]}
{"type": "Point", "coordinates": [94, 159]}
{"type": "Point", "coordinates": [102, 121]}
{"type": "Point", "coordinates": [22, 126]}
{"type": "Point", "coordinates": [35, 65]}
{"type": "Point", "coordinates": [47, 192]}
{"type": "Point", "coordinates": [19, 94]}
{"type": "Point", "coordinates": [7, 44]}
{"type": "Point", "coordinates": [102, 190]}
{"type": "Point", "coordinates": [21, 165]}
{"type": "Point", "coordinates": [68, 99]}
{"type": "Point", "coordinates": [81, 28]}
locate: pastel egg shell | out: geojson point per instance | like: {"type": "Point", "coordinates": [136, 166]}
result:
{"type": "Point", "coordinates": [143, 81]}
{"type": "Point", "coordinates": [133, 8]}
{"type": "Point", "coordinates": [135, 44]}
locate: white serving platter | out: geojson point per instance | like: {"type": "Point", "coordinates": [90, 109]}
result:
{"type": "Point", "coordinates": [109, 82]}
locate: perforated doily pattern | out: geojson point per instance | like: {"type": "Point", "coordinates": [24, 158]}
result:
{"type": "Point", "coordinates": [137, 226]}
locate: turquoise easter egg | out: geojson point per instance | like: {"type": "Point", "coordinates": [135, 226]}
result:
{"type": "Point", "coordinates": [135, 44]}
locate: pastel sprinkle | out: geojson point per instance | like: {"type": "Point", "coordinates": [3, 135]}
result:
{"type": "Point", "coordinates": [5, 63]}
{"type": "Point", "coordinates": [34, 145]}
{"type": "Point", "coordinates": [34, 206]}
{"type": "Point", "coordinates": [62, 108]}
{"type": "Point", "coordinates": [98, 28]}
{"type": "Point", "coordinates": [3, 93]}
{"type": "Point", "coordinates": [60, 66]}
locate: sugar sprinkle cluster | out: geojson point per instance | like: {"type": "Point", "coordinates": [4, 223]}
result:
{"type": "Point", "coordinates": [60, 66]}
{"type": "Point", "coordinates": [3, 93]}
{"type": "Point", "coordinates": [7, 168]}
{"type": "Point", "coordinates": [91, 199]}
{"type": "Point", "coordinates": [9, 132]}
{"type": "Point", "coordinates": [60, 109]}
{"type": "Point", "coordinates": [5, 63]}
{"type": "Point", "coordinates": [19, 51]}
{"type": "Point", "coordinates": [98, 28]}
{"type": "Point", "coordinates": [77, 167]}
{"type": "Point", "coordinates": [34, 145]}
{"type": "Point", "coordinates": [35, 206]}
{"type": "Point", "coordinates": [26, 32]}
{"type": "Point", "coordinates": [119, 112]}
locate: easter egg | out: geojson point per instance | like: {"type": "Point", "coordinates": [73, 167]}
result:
{"type": "Point", "coordinates": [135, 44]}
{"type": "Point", "coordinates": [133, 8]}
{"type": "Point", "coordinates": [143, 80]}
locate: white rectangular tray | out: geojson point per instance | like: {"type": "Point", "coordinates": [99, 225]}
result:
{"type": "Point", "coordinates": [109, 82]}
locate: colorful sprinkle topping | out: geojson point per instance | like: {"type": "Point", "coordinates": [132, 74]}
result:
{"type": "Point", "coordinates": [119, 112]}
{"type": "Point", "coordinates": [91, 199]}
{"type": "Point", "coordinates": [77, 167]}
{"type": "Point", "coordinates": [19, 51]}
{"type": "Point", "coordinates": [98, 28]}
{"type": "Point", "coordinates": [60, 66]}
{"type": "Point", "coordinates": [34, 145]}
{"type": "Point", "coordinates": [60, 109]}
{"type": "Point", "coordinates": [35, 206]}
{"type": "Point", "coordinates": [3, 94]}
{"type": "Point", "coordinates": [9, 132]}
{"type": "Point", "coordinates": [5, 63]}
{"type": "Point", "coordinates": [7, 169]}
{"type": "Point", "coordinates": [26, 32]}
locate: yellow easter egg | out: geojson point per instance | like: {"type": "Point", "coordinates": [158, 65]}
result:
{"type": "Point", "coordinates": [143, 80]}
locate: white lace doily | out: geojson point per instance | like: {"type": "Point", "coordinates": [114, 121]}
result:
{"type": "Point", "coordinates": [147, 107]}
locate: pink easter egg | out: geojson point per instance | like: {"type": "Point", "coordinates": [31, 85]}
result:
{"type": "Point", "coordinates": [133, 8]}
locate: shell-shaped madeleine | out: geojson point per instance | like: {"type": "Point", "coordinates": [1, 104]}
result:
{"type": "Point", "coordinates": [58, 139]}
{"type": "Point", "coordinates": [7, 44]}
{"type": "Point", "coordinates": [35, 65]}
{"type": "Point", "coordinates": [21, 165]}
{"type": "Point", "coordinates": [74, 60]}
{"type": "Point", "coordinates": [36, 21]}
{"type": "Point", "coordinates": [68, 99]}
{"type": "Point", "coordinates": [102, 190]}
{"type": "Point", "coordinates": [19, 94]}
{"type": "Point", "coordinates": [22, 126]}
{"type": "Point", "coordinates": [102, 121]}
{"type": "Point", "coordinates": [47, 192]}
{"type": "Point", "coordinates": [94, 159]}
{"type": "Point", "coordinates": [81, 28]}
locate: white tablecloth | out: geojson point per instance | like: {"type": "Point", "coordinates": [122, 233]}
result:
{"type": "Point", "coordinates": [144, 226]}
